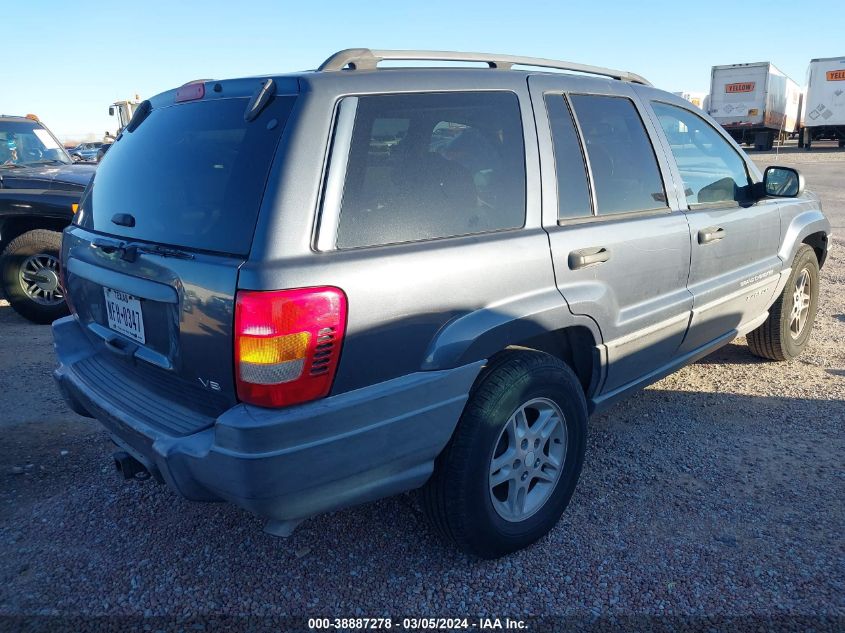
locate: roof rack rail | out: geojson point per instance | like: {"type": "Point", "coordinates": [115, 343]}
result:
{"type": "Point", "coordinates": [366, 59]}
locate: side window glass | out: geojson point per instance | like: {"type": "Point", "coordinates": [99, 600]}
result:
{"type": "Point", "coordinates": [573, 193]}
{"type": "Point", "coordinates": [712, 170]}
{"type": "Point", "coordinates": [424, 166]}
{"type": "Point", "coordinates": [626, 176]}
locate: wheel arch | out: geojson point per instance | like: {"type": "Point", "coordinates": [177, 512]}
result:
{"type": "Point", "coordinates": [575, 346]}
{"type": "Point", "coordinates": [819, 243]}
{"type": "Point", "coordinates": [809, 226]}
{"type": "Point", "coordinates": [543, 323]}
{"type": "Point", "coordinates": [16, 225]}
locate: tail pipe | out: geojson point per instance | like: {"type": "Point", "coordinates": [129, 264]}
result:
{"type": "Point", "coordinates": [129, 467]}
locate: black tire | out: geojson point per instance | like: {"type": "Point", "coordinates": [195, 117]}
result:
{"type": "Point", "coordinates": [457, 498]}
{"type": "Point", "coordinates": [37, 242]}
{"type": "Point", "coordinates": [770, 142]}
{"type": "Point", "coordinates": [774, 340]}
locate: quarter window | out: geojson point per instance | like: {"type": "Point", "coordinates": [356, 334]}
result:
{"type": "Point", "coordinates": [625, 173]}
{"type": "Point", "coordinates": [712, 170]}
{"type": "Point", "coordinates": [424, 166]}
{"type": "Point", "coordinates": [573, 193]}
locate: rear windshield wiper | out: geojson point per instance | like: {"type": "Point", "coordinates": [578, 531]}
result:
{"type": "Point", "coordinates": [260, 98]}
{"type": "Point", "coordinates": [141, 113]}
{"type": "Point", "coordinates": [160, 250]}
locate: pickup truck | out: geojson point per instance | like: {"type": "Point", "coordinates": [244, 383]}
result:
{"type": "Point", "coordinates": [39, 188]}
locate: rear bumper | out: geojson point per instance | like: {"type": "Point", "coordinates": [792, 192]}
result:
{"type": "Point", "coordinates": [288, 464]}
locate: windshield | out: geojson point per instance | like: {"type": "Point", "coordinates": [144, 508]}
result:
{"type": "Point", "coordinates": [27, 143]}
{"type": "Point", "coordinates": [190, 175]}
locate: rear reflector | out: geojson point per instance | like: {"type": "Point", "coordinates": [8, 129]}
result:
{"type": "Point", "coordinates": [287, 344]}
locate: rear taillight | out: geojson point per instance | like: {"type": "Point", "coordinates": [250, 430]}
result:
{"type": "Point", "coordinates": [287, 344]}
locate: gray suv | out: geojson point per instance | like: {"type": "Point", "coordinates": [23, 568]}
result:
{"type": "Point", "coordinates": [303, 292]}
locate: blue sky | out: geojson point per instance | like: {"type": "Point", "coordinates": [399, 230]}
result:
{"type": "Point", "coordinates": [66, 61]}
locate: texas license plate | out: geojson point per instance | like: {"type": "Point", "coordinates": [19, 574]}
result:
{"type": "Point", "coordinates": [124, 314]}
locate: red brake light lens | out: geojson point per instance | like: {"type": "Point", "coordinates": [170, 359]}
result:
{"type": "Point", "coordinates": [287, 344]}
{"type": "Point", "coordinates": [190, 92]}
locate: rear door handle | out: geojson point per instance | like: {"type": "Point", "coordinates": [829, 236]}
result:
{"type": "Point", "coordinates": [711, 234]}
{"type": "Point", "coordinates": [587, 257]}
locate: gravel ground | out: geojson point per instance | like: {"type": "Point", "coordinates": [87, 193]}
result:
{"type": "Point", "coordinates": [713, 499]}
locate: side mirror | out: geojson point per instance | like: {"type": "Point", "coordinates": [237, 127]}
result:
{"type": "Point", "coordinates": [783, 182]}
{"type": "Point", "coordinates": [111, 111]}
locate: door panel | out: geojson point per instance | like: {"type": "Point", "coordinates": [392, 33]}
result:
{"type": "Point", "coordinates": [626, 270]}
{"type": "Point", "coordinates": [638, 296]}
{"type": "Point", "coordinates": [733, 278]}
{"type": "Point", "coordinates": [734, 243]}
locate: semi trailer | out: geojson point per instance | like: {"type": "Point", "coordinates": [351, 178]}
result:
{"type": "Point", "coordinates": [756, 103]}
{"type": "Point", "coordinates": [824, 106]}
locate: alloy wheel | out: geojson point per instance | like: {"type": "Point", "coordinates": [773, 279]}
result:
{"type": "Point", "coordinates": [528, 459]}
{"type": "Point", "coordinates": [39, 279]}
{"type": "Point", "coordinates": [801, 298]}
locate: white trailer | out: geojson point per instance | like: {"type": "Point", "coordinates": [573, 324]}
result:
{"type": "Point", "coordinates": [824, 106]}
{"type": "Point", "coordinates": [698, 99]}
{"type": "Point", "coordinates": [755, 103]}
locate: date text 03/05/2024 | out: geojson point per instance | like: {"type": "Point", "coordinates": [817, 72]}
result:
{"type": "Point", "coordinates": [417, 624]}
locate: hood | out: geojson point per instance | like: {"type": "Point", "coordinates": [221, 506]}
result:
{"type": "Point", "coordinates": [64, 177]}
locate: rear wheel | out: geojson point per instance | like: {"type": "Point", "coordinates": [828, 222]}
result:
{"type": "Point", "coordinates": [768, 141]}
{"type": "Point", "coordinates": [785, 334]}
{"type": "Point", "coordinates": [511, 467]}
{"type": "Point", "coordinates": [29, 270]}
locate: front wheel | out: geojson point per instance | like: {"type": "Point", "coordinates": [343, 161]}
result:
{"type": "Point", "coordinates": [29, 271]}
{"type": "Point", "coordinates": [785, 334]}
{"type": "Point", "coordinates": [511, 467]}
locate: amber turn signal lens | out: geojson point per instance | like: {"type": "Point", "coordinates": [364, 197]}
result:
{"type": "Point", "coordinates": [272, 350]}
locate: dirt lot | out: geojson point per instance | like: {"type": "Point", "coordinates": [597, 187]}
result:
{"type": "Point", "coordinates": [716, 493]}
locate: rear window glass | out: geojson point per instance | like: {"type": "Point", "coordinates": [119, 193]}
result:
{"type": "Point", "coordinates": [191, 175]}
{"type": "Point", "coordinates": [573, 193]}
{"type": "Point", "coordinates": [625, 172]}
{"type": "Point", "coordinates": [423, 166]}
